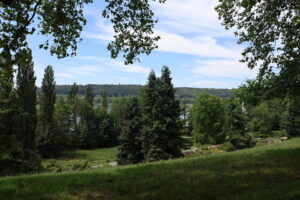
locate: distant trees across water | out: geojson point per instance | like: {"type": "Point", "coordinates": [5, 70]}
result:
{"type": "Point", "coordinates": [133, 90]}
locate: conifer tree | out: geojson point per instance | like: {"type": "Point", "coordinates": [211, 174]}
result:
{"type": "Point", "coordinates": [26, 90]}
{"type": "Point", "coordinates": [235, 126]}
{"type": "Point", "coordinates": [130, 137]}
{"type": "Point", "coordinates": [170, 115]}
{"type": "Point", "coordinates": [161, 112]}
{"type": "Point", "coordinates": [47, 139]}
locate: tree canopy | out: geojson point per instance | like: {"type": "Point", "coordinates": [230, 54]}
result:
{"type": "Point", "coordinates": [271, 31]}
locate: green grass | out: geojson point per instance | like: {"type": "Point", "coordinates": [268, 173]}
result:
{"type": "Point", "coordinates": [269, 172]}
{"type": "Point", "coordinates": [72, 159]}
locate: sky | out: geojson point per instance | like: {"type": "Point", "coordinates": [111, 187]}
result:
{"type": "Point", "coordinates": [194, 45]}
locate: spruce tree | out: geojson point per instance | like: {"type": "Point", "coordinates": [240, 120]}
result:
{"type": "Point", "coordinates": [130, 137]}
{"type": "Point", "coordinates": [161, 112]}
{"type": "Point", "coordinates": [47, 140]}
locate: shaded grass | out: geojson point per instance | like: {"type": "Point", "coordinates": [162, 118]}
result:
{"type": "Point", "coordinates": [267, 172]}
{"type": "Point", "coordinates": [72, 159]}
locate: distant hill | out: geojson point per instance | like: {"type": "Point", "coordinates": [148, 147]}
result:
{"type": "Point", "coordinates": [132, 90]}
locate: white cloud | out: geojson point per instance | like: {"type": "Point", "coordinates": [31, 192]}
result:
{"type": "Point", "coordinates": [190, 16]}
{"type": "Point", "coordinates": [212, 84]}
{"type": "Point", "coordinates": [65, 75]}
{"type": "Point", "coordinates": [128, 68]}
{"type": "Point", "coordinates": [224, 68]}
{"type": "Point", "coordinates": [201, 46]}
{"type": "Point", "coordinates": [87, 70]}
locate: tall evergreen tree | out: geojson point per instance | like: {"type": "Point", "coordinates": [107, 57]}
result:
{"type": "Point", "coordinates": [130, 137]}
{"type": "Point", "coordinates": [47, 140]}
{"type": "Point", "coordinates": [161, 112]}
{"type": "Point", "coordinates": [170, 112]}
{"type": "Point", "coordinates": [26, 90]}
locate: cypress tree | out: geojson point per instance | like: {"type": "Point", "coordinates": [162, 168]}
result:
{"type": "Point", "coordinates": [47, 140]}
{"type": "Point", "coordinates": [26, 91]}
{"type": "Point", "coordinates": [130, 137]}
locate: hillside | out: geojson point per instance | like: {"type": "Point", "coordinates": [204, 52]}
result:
{"type": "Point", "coordinates": [131, 90]}
{"type": "Point", "coordinates": [267, 172]}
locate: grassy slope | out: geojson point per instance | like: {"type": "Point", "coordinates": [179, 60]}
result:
{"type": "Point", "coordinates": [263, 173]}
{"type": "Point", "coordinates": [75, 158]}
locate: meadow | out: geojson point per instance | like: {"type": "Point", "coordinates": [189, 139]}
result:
{"type": "Point", "coordinates": [266, 172]}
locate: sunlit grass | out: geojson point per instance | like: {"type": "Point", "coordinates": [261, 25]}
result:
{"type": "Point", "coordinates": [264, 173]}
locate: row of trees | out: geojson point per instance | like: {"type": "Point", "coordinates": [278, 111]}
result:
{"type": "Point", "coordinates": [215, 120]}
{"type": "Point", "coordinates": [146, 128]}
{"type": "Point", "coordinates": [72, 122]}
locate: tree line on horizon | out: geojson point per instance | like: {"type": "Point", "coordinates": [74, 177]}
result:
{"type": "Point", "coordinates": [128, 90]}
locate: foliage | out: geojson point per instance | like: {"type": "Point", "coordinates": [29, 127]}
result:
{"type": "Point", "coordinates": [133, 90]}
{"type": "Point", "coordinates": [133, 23]}
{"type": "Point", "coordinates": [208, 119]}
{"type": "Point", "coordinates": [15, 155]}
{"type": "Point", "coordinates": [48, 140]}
{"type": "Point", "coordinates": [271, 31]}
{"type": "Point", "coordinates": [293, 118]}
{"type": "Point", "coordinates": [88, 95]}
{"type": "Point", "coordinates": [130, 144]}
{"type": "Point", "coordinates": [161, 135]}
{"type": "Point", "coordinates": [205, 177]}
{"type": "Point", "coordinates": [26, 91]}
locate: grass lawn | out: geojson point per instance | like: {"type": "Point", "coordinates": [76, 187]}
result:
{"type": "Point", "coordinates": [269, 172]}
{"type": "Point", "coordinates": [73, 159]}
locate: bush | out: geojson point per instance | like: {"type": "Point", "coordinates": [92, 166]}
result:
{"type": "Point", "coordinates": [242, 141]}
{"type": "Point", "coordinates": [227, 146]}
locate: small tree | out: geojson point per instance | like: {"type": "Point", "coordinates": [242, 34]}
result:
{"type": "Point", "coordinates": [293, 118]}
{"type": "Point", "coordinates": [235, 126]}
{"type": "Point", "coordinates": [208, 119]}
{"type": "Point", "coordinates": [130, 137]}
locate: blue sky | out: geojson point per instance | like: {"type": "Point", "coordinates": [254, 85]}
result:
{"type": "Point", "coordinates": [198, 50]}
